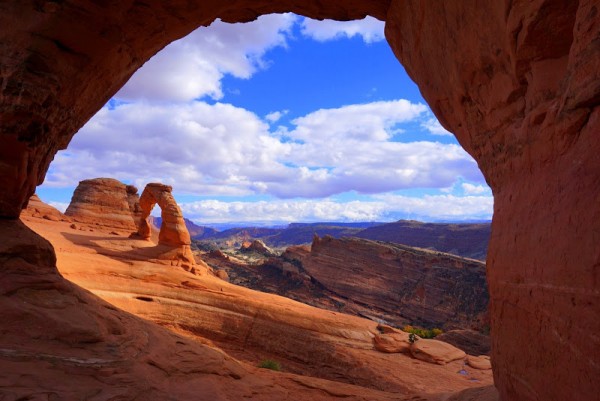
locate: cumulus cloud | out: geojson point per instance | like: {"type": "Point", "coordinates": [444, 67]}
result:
{"type": "Point", "coordinates": [382, 208]}
{"type": "Point", "coordinates": [471, 189]}
{"type": "Point", "coordinates": [193, 67]}
{"type": "Point", "coordinates": [434, 127]}
{"type": "Point", "coordinates": [221, 149]}
{"type": "Point", "coordinates": [369, 29]}
{"type": "Point", "coordinates": [275, 116]}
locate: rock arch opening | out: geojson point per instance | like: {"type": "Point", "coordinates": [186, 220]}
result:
{"type": "Point", "coordinates": [517, 83]}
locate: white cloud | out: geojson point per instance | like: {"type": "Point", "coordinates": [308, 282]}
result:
{"type": "Point", "coordinates": [370, 29]}
{"type": "Point", "coordinates": [434, 127]}
{"type": "Point", "coordinates": [193, 67]}
{"type": "Point", "coordinates": [275, 116]}
{"type": "Point", "coordinates": [383, 208]}
{"type": "Point", "coordinates": [62, 206]}
{"type": "Point", "coordinates": [221, 149]}
{"type": "Point", "coordinates": [471, 189]}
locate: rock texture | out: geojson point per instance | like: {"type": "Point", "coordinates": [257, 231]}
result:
{"type": "Point", "coordinates": [173, 231]}
{"type": "Point", "coordinates": [256, 246]}
{"type": "Point", "coordinates": [466, 240]}
{"type": "Point", "coordinates": [435, 351]}
{"type": "Point", "coordinates": [516, 81]}
{"type": "Point", "coordinates": [426, 288]}
{"type": "Point", "coordinates": [470, 341]}
{"type": "Point", "coordinates": [37, 208]}
{"type": "Point", "coordinates": [102, 202]}
{"type": "Point", "coordinates": [133, 199]}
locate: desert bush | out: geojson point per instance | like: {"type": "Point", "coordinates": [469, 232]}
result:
{"type": "Point", "coordinates": [423, 333]}
{"type": "Point", "coordinates": [270, 364]}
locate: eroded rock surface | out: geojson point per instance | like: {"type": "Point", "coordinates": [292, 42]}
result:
{"type": "Point", "coordinates": [432, 289]}
{"type": "Point", "coordinates": [173, 231]}
{"type": "Point", "coordinates": [102, 202]}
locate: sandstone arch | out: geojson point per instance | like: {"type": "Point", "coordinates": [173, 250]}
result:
{"type": "Point", "coordinates": [516, 81]}
{"type": "Point", "coordinates": [173, 231]}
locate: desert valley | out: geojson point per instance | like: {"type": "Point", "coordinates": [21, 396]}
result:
{"type": "Point", "coordinates": [226, 330]}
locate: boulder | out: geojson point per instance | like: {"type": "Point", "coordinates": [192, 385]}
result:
{"type": "Point", "coordinates": [481, 362]}
{"type": "Point", "coordinates": [392, 342]}
{"type": "Point", "coordinates": [434, 351]}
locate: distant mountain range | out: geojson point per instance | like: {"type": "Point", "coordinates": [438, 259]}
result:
{"type": "Point", "coordinates": [467, 240]}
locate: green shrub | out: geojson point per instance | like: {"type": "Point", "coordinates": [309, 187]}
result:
{"type": "Point", "coordinates": [423, 333]}
{"type": "Point", "coordinates": [270, 364]}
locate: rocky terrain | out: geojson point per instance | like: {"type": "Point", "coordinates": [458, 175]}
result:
{"type": "Point", "coordinates": [467, 240]}
{"type": "Point", "coordinates": [516, 82]}
{"type": "Point", "coordinates": [212, 333]}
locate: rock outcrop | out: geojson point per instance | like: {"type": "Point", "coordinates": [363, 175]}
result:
{"type": "Point", "coordinates": [173, 231]}
{"type": "Point", "coordinates": [102, 202]}
{"type": "Point", "coordinates": [466, 240]}
{"type": "Point", "coordinates": [516, 82]}
{"type": "Point", "coordinates": [133, 199]}
{"type": "Point", "coordinates": [256, 246]}
{"type": "Point", "coordinates": [427, 288]}
{"type": "Point", "coordinates": [37, 208]}
{"type": "Point", "coordinates": [434, 351]}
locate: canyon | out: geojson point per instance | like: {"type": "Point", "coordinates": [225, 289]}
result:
{"type": "Point", "coordinates": [517, 82]}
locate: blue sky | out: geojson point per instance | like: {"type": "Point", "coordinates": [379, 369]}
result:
{"type": "Point", "coordinates": [282, 119]}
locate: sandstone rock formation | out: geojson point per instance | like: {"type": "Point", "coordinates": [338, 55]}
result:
{"type": "Point", "coordinates": [516, 82]}
{"type": "Point", "coordinates": [426, 288]}
{"type": "Point", "coordinates": [479, 362]}
{"type": "Point", "coordinates": [173, 231]}
{"type": "Point", "coordinates": [435, 351]}
{"type": "Point", "coordinates": [37, 208]}
{"type": "Point", "coordinates": [256, 246]}
{"type": "Point", "coordinates": [133, 199]}
{"type": "Point", "coordinates": [102, 202]}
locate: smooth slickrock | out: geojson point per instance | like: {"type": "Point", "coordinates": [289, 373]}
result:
{"type": "Point", "coordinates": [392, 342]}
{"type": "Point", "coordinates": [479, 362]}
{"type": "Point", "coordinates": [102, 202]}
{"type": "Point", "coordinates": [517, 82]}
{"type": "Point", "coordinates": [435, 351]}
{"type": "Point", "coordinates": [311, 344]}
{"type": "Point", "coordinates": [432, 289]}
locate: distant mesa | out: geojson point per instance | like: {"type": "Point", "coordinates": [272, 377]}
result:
{"type": "Point", "coordinates": [418, 286]}
{"type": "Point", "coordinates": [469, 240]}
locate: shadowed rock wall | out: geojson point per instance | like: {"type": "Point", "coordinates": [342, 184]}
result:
{"type": "Point", "coordinates": [516, 81]}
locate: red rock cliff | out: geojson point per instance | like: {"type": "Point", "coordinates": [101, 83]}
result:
{"type": "Point", "coordinates": [427, 288]}
{"type": "Point", "coordinates": [516, 81]}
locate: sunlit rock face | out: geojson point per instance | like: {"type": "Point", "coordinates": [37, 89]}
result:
{"type": "Point", "coordinates": [102, 202]}
{"type": "Point", "coordinates": [173, 231]}
{"type": "Point", "coordinates": [517, 82]}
